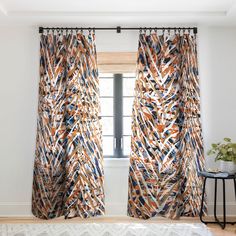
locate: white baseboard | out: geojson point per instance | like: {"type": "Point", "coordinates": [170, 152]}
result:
{"type": "Point", "coordinates": [15, 209]}
{"type": "Point", "coordinates": [23, 209]}
{"type": "Point", "coordinates": [119, 209]}
{"type": "Point", "coordinates": [116, 209]}
{"type": "Point", "coordinates": [230, 208]}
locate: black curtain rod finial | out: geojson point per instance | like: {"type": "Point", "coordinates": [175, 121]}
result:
{"type": "Point", "coordinates": [195, 30]}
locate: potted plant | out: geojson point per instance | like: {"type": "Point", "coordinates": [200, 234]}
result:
{"type": "Point", "coordinates": [225, 153]}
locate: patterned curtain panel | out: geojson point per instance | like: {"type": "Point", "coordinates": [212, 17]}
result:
{"type": "Point", "coordinates": [68, 172]}
{"type": "Point", "coordinates": [166, 146]}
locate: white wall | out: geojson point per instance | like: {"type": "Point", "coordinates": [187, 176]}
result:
{"type": "Point", "coordinates": [18, 101]}
{"type": "Point", "coordinates": [217, 81]}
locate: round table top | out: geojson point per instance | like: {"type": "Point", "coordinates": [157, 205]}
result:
{"type": "Point", "coordinates": [217, 175]}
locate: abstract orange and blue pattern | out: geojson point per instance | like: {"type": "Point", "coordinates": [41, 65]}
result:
{"type": "Point", "coordinates": [68, 172]}
{"type": "Point", "coordinates": [167, 145]}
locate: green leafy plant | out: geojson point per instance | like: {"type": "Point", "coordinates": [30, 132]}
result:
{"type": "Point", "coordinates": [225, 151]}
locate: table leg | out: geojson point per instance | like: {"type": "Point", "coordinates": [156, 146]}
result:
{"type": "Point", "coordinates": [215, 199]}
{"type": "Point", "coordinates": [203, 194]}
{"type": "Point", "coordinates": [235, 188]}
{"type": "Point", "coordinates": [224, 210]}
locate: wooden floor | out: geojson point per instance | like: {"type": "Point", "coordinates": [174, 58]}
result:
{"type": "Point", "coordinates": [215, 229]}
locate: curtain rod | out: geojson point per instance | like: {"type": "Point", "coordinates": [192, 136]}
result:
{"type": "Point", "coordinates": [118, 28]}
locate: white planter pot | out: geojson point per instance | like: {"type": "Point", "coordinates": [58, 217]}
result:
{"type": "Point", "coordinates": [227, 166]}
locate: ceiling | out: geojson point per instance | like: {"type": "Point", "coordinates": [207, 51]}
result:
{"type": "Point", "coordinates": [120, 12]}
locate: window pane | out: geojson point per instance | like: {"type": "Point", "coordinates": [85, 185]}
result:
{"type": "Point", "coordinates": [106, 106]}
{"type": "Point", "coordinates": [128, 86]}
{"type": "Point", "coordinates": [126, 145]}
{"type": "Point", "coordinates": [108, 146]}
{"type": "Point", "coordinates": [107, 125]}
{"type": "Point", "coordinates": [106, 87]}
{"type": "Point", "coordinates": [127, 106]}
{"type": "Point", "coordinates": [127, 125]}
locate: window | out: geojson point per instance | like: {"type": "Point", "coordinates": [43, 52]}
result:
{"type": "Point", "coordinates": [116, 97]}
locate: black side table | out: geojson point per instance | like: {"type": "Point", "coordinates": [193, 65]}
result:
{"type": "Point", "coordinates": [216, 177]}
